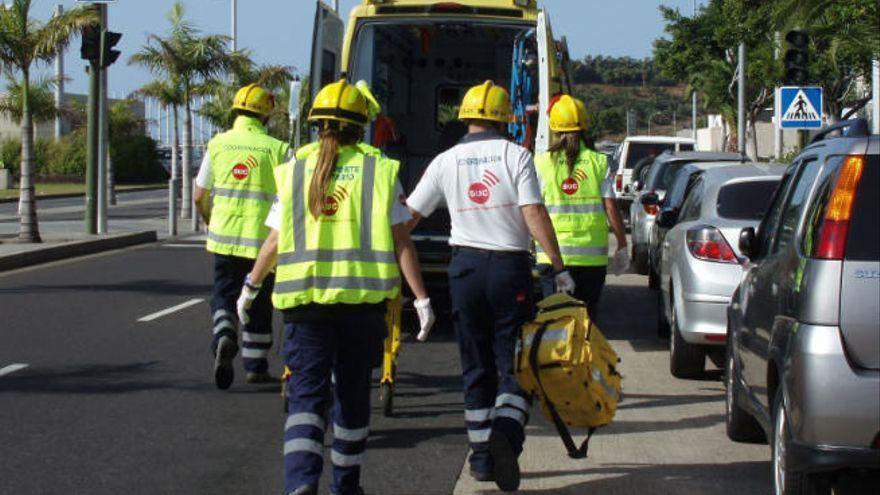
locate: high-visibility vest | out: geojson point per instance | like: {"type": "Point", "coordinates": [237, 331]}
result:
{"type": "Point", "coordinates": [346, 255]}
{"type": "Point", "coordinates": [242, 163]}
{"type": "Point", "coordinates": [576, 207]}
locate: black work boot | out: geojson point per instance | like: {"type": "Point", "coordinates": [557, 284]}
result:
{"type": "Point", "coordinates": [261, 377]}
{"type": "Point", "coordinates": [224, 373]}
{"type": "Point", "coordinates": [305, 490]}
{"type": "Point", "coordinates": [505, 463]}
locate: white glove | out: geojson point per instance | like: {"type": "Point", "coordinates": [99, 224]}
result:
{"type": "Point", "coordinates": [426, 317]}
{"type": "Point", "coordinates": [249, 292]}
{"type": "Point", "coordinates": [620, 262]}
{"type": "Point", "coordinates": [564, 282]}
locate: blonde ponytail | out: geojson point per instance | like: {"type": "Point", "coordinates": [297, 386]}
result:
{"type": "Point", "coordinates": [331, 138]}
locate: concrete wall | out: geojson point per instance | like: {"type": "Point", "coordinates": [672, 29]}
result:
{"type": "Point", "coordinates": [46, 130]}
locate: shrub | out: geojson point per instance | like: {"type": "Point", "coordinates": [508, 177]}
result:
{"type": "Point", "coordinates": [136, 159]}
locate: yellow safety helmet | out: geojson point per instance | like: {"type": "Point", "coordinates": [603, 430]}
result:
{"type": "Point", "coordinates": [253, 98]}
{"type": "Point", "coordinates": [486, 102]}
{"type": "Point", "coordinates": [568, 114]}
{"type": "Point", "coordinates": [340, 102]}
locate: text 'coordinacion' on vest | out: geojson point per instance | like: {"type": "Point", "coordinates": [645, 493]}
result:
{"type": "Point", "coordinates": [479, 160]}
{"type": "Point", "coordinates": [243, 147]}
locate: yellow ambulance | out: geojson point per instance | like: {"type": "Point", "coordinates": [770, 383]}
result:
{"type": "Point", "coordinates": [420, 57]}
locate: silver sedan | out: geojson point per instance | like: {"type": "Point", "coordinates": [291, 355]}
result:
{"type": "Point", "coordinates": [700, 260]}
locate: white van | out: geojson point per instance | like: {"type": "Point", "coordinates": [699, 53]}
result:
{"type": "Point", "coordinates": [635, 149]}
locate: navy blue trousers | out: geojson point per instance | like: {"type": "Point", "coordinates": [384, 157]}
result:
{"type": "Point", "coordinates": [256, 336]}
{"type": "Point", "coordinates": [347, 344]}
{"type": "Point", "coordinates": [589, 282]}
{"type": "Point", "coordinates": [491, 299]}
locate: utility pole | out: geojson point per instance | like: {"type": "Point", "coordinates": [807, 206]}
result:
{"type": "Point", "coordinates": [694, 99]}
{"type": "Point", "coordinates": [875, 88]}
{"type": "Point", "coordinates": [102, 135]}
{"type": "Point", "coordinates": [92, 150]}
{"type": "Point", "coordinates": [234, 25]}
{"type": "Point", "coordinates": [59, 83]}
{"type": "Point", "coordinates": [778, 141]}
{"type": "Point", "coordinates": [741, 101]}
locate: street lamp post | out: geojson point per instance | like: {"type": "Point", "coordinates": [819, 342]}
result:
{"type": "Point", "coordinates": [234, 25]}
{"type": "Point", "coordinates": [694, 98]}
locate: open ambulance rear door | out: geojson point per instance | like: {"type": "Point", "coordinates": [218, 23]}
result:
{"type": "Point", "coordinates": [327, 40]}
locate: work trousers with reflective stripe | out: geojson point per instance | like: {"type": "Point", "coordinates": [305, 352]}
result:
{"type": "Point", "coordinates": [256, 336]}
{"type": "Point", "coordinates": [589, 282]}
{"type": "Point", "coordinates": [348, 345]}
{"type": "Point", "coordinates": [491, 300]}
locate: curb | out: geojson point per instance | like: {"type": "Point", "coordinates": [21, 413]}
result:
{"type": "Point", "coordinates": [80, 195]}
{"type": "Point", "coordinates": [75, 249]}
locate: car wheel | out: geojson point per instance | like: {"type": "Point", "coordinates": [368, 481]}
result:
{"type": "Point", "coordinates": [685, 360]}
{"type": "Point", "coordinates": [741, 426]}
{"type": "Point", "coordinates": [640, 261]}
{"type": "Point", "coordinates": [662, 322]}
{"type": "Point", "coordinates": [787, 481]}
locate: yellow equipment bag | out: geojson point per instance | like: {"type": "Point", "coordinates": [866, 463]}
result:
{"type": "Point", "coordinates": [564, 360]}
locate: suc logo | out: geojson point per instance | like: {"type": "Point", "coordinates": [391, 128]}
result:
{"type": "Point", "coordinates": [332, 202]}
{"type": "Point", "coordinates": [243, 170]}
{"type": "Point", "coordinates": [571, 185]}
{"type": "Point", "coordinates": [480, 192]}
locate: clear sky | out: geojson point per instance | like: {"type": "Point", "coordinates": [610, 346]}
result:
{"type": "Point", "coordinates": [279, 31]}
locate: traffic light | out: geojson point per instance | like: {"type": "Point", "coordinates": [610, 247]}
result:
{"type": "Point", "coordinates": [108, 54]}
{"type": "Point", "coordinates": [797, 57]}
{"type": "Point", "coordinates": [91, 43]}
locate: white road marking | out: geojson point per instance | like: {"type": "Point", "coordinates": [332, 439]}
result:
{"type": "Point", "coordinates": [12, 368]}
{"type": "Point", "coordinates": [172, 309]}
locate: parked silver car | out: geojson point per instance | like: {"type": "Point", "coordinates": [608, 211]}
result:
{"type": "Point", "coordinates": [699, 268]}
{"type": "Point", "coordinates": [803, 360]}
{"type": "Point", "coordinates": [651, 192]}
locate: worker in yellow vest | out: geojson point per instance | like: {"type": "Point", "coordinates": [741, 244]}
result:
{"type": "Point", "coordinates": [235, 188]}
{"type": "Point", "coordinates": [339, 242]}
{"type": "Point", "coordinates": [579, 195]}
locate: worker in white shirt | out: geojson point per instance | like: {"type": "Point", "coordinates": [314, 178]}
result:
{"type": "Point", "coordinates": [491, 189]}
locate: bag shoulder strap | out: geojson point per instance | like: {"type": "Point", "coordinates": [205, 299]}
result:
{"type": "Point", "coordinates": [574, 451]}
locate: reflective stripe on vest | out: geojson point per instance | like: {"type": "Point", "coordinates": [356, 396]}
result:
{"type": "Point", "coordinates": [222, 192]}
{"type": "Point", "coordinates": [576, 207]}
{"type": "Point", "coordinates": [366, 273]}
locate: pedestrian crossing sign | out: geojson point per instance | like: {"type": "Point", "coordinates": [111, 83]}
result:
{"type": "Point", "coordinates": [799, 107]}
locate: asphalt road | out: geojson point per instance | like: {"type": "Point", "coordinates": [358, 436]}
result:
{"type": "Point", "coordinates": [110, 405]}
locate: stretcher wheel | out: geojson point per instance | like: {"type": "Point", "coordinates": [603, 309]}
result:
{"type": "Point", "coordinates": [386, 398]}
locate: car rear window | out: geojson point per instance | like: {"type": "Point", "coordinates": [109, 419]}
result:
{"type": "Point", "coordinates": [863, 242]}
{"type": "Point", "coordinates": [637, 151]}
{"type": "Point", "coordinates": [745, 200]}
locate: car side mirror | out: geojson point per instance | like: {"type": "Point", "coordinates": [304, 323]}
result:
{"type": "Point", "coordinates": [667, 218]}
{"type": "Point", "coordinates": [650, 199]}
{"type": "Point", "coordinates": [747, 242]}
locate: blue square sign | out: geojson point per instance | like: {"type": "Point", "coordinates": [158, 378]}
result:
{"type": "Point", "coordinates": [799, 107]}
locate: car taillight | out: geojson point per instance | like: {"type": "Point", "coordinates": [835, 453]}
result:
{"type": "Point", "coordinates": [707, 244]}
{"type": "Point", "coordinates": [835, 226]}
{"type": "Point", "coordinates": [618, 182]}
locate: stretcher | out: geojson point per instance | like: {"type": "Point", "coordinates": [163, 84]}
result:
{"type": "Point", "coordinates": [390, 353]}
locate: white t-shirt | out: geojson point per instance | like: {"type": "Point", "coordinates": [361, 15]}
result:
{"type": "Point", "coordinates": [205, 177]}
{"type": "Point", "coordinates": [399, 211]}
{"type": "Point", "coordinates": [484, 181]}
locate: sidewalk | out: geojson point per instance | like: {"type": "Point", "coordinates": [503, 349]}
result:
{"type": "Point", "coordinates": [136, 219]}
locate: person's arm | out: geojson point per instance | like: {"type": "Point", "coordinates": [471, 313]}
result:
{"type": "Point", "coordinates": [203, 203]}
{"type": "Point", "coordinates": [412, 222]}
{"type": "Point", "coordinates": [408, 260]}
{"type": "Point", "coordinates": [265, 260]}
{"type": "Point", "coordinates": [616, 223]}
{"type": "Point", "coordinates": [538, 221]}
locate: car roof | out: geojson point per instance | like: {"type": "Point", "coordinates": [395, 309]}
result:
{"type": "Point", "coordinates": [743, 171]}
{"type": "Point", "coordinates": [657, 139]}
{"type": "Point", "coordinates": [697, 156]}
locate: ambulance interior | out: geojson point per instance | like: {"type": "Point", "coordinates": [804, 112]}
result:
{"type": "Point", "coordinates": [419, 72]}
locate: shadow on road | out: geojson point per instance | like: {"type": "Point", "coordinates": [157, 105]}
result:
{"type": "Point", "coordinates": [93, 379]}
{"type": "Point", "coordinates": [631, 401]}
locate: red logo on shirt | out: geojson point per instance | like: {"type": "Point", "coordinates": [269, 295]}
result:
{"type": "Point", "coordinates": [571, 184]}
{"type": "Point", "coordinates": [331, 203]}
{"type": "Point", "coordinates": [243, 170]}
{"type": "Point", "coordinates": [480, 192]}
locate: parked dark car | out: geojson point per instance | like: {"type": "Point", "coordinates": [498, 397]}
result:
{"type": "Point", "coordinates": [803, 359]}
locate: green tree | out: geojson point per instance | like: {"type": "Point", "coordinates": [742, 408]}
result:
{"type": "Point", "coordinates": [703, 51]}
{"type": "Point", "coordinates": [42, 100]}
{"type": "Point", "coordinates": [23, 42]}
{"type": "Point", "coordinates": [192, 59]}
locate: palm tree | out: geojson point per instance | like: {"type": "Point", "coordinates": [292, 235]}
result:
{"type": "Point", "coordinates": [41, 99]}
{"type": "Point", "coordinates": [24, 41]}
{"type": "Point", "coordinates": [170, 95]}
{"type": "Point", "coordinates": [190, 58]}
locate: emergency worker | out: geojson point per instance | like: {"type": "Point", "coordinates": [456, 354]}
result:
{"type": "Point", "coordinates": [235, 188]}
{"type": "Point", "coordinates": [491, 189]}
{"type": "Point", "coordinates": [339, 241]}
{"type": "Point", "coordinates": [579, 194]}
